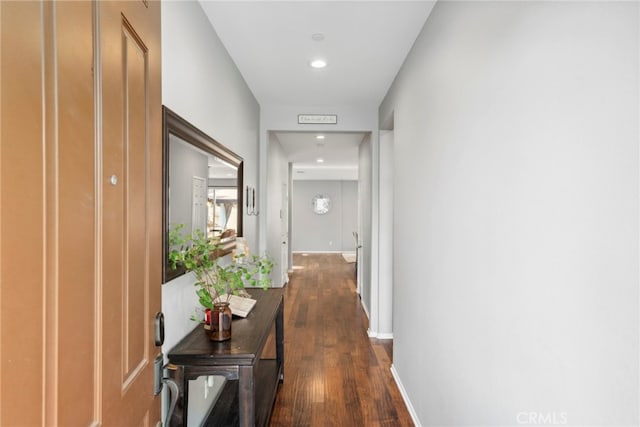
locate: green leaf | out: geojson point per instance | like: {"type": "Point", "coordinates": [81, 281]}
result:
{"type": "Point", "coordinates": [195, 252]}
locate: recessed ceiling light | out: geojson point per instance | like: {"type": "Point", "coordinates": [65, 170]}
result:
{"type": "Point", "coordinates": [319, 136]}
{"type": "Point", "coordinates": [320, 160]}
{"type": "Point", "coordinates": [317, 37]}
{"type": "Point", "coordinates": [318, 63]}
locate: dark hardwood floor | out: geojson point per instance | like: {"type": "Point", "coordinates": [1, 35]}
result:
{"type": "Point", "coordinates": [334, 374]}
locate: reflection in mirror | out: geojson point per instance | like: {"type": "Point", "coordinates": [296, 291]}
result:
{"type": "Point", "coordinates": [203, 186]}
{"type": "Point", "coordinates": [223, 206]}
{"type": "Point", "coordinates": [222, 199]}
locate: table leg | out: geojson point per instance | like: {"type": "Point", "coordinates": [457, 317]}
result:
{"type": "Point", "coordinates": [185, 398]}
{"type": "Point", "coordinates": [246, 396]}
{"type": "Point", "coordinates": [280, 340]}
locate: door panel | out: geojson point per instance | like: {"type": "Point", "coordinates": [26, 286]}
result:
{"type": "Point", "coordinates": [131, 207]}
{"type": "Point", "coordinates": [135, 149]}
{"type": "Point", "coordinates": [70, 211]}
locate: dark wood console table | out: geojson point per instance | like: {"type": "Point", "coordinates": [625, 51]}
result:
{"type": "Point", "coordinates": [252, 382]}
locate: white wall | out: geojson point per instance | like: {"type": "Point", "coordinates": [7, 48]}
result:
{"type": "Point", "coordinates": [324, 233]}
{"type": "Point", "coordinates": [358, 118]}
{"type": "Point", "coordinates": [383, 328]}
{"type": "Point", "coordinates": [365, 208]}
{"type": "Point", "coordinates": [516, 221]}
{"type": "Point", "coordinates": [277, 177]}
{"type": "Point", "coordinates": [349, 214]}
{"type": "Point", "coordinates": [201, 83]}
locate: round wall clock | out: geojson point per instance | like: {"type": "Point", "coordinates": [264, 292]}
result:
{"type": "Point", "coordinates": [321, 204]}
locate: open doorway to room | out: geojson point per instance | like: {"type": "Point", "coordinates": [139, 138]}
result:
{"type": "Point", "coordinates": [314, 195]}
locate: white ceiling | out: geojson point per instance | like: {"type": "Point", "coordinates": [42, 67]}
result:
{"type": "Point", "coordinates": [338, 150]}
{"type": "Point", "coordinates": [365, 44]}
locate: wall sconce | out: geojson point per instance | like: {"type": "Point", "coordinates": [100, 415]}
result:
{"type": "Point", "coordinates": [251, 201]}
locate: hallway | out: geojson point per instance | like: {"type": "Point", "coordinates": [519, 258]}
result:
{"type": "Point", "coordinates": [334, 374]}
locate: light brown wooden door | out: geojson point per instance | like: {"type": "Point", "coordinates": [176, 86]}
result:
{"type": "Point", "coordinates": [131, 210]}
{"type": "Point", "coordinates": [22, 206]}
{"type": "Point", "coordinates": [79, 256]}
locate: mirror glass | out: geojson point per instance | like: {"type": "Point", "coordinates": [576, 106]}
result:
{"type": "Point", "coordinates": [203, 187]}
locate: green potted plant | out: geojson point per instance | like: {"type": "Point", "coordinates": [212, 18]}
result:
{"type": "Point", "coordinates": [216, 282]}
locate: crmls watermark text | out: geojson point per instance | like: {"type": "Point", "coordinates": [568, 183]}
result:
{"type": "Point", "coordinates": [542, 418]}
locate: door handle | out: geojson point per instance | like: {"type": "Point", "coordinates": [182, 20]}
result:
{"type": "Point", "coordinates": [158, 329]}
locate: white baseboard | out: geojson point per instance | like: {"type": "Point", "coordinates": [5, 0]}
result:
{"type": "Point", "coordinates": [364, 308]}
{"type": "Point", "coordinates": [317, 252]}
{"type": "Point", "coordinates": [405, 397]}
{"type": "Point", "coordinates": [379, 335]}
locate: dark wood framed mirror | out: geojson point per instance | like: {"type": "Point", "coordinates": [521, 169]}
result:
{"type": "Point", "coordinates": [202, 187]}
